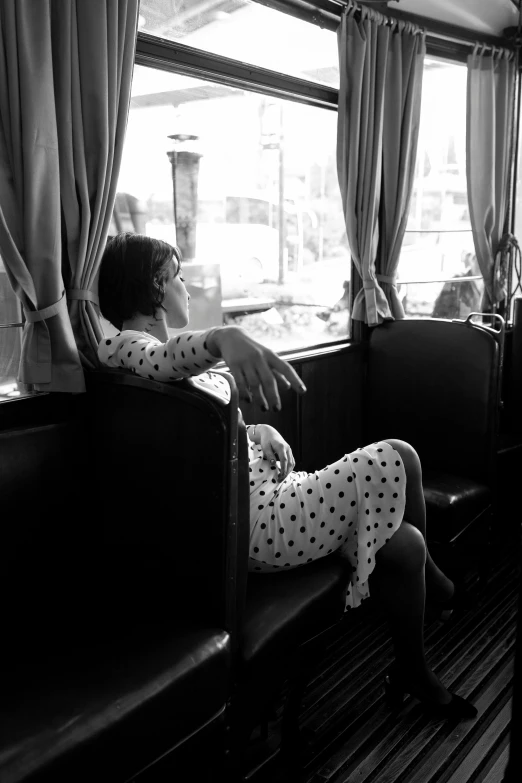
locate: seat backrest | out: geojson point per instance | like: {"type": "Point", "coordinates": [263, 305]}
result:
{"type": "Point", "coordinates": [513, 381]}
{"type": "Point", "coordinates": [166, 488]}
{"type": "Point", "coordinates": [43, 462]}
{"type": "Point", "coordinates": [435, 384]}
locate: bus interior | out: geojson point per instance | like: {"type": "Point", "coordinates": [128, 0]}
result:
{"type": "Point", "coordinates": [344, 183]}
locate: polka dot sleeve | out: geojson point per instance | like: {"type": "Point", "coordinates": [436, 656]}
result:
{"type": "Point", "coordinates": [182, 356]}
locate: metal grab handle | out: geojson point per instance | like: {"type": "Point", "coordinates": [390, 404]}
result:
{"type": "Point", "coordinates": [499, 336]}
{"type": "Point", "coordinates": [501, 320]}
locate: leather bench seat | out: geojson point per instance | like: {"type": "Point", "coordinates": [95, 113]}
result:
{"type": "Point", "coordinates": [282, 607]}
{"type": "Point", "coordinates": [105, 713]}
{"type": "Point", "coordinates": [452, 504]}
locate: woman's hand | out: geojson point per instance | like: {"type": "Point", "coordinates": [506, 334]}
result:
{"type": "Point", "coordinates": [275, 448]}
{"type": "Point", "coordinates": [256, 369]}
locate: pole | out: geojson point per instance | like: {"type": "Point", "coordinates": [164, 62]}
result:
{"type": "Point", "coordinates": [282, 226]}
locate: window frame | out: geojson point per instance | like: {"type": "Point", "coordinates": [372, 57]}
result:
{"type": "Point", "coordinates": [155, 52]}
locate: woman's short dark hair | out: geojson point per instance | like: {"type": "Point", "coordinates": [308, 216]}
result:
{"type": "Point", "coordinates": [133, 273]}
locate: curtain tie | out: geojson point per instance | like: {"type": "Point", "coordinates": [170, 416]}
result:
{"type": "Point", "coordinates": [369, 285]}
{"type": "Point", "coordinates": [83, 294]}
{"type": "Point", "coordinates": [33, 316]}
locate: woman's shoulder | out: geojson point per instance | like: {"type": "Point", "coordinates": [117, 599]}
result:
{"type": "Point", "coordinates": [110, 345]}
{"type": "Point", "coordinates": [124, 351]}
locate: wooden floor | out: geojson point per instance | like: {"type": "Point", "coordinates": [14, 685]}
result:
{"type": "Point", "coordinates": [354, 738]}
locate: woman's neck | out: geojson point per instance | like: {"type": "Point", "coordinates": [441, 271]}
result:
{"type": "Point", "coordinates": [156, 327]}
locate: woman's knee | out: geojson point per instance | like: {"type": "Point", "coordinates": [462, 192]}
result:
{"type": "Point", "coordinates": [405, 550]}
{"type": "Point", "coordinates": [410, 458]}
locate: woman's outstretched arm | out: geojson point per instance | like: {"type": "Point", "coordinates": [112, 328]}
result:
{"type": "Point", "coordinates": [257, 370]}
{"type": "Point", "coordinates": [182, 356]}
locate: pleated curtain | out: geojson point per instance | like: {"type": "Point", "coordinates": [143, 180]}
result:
{"type": "Point", "coordinates": [65, 81]}
{"type": "Point", "coordinates": [381, 64]}
{"type": "Point", "coordinates": [489, 147]}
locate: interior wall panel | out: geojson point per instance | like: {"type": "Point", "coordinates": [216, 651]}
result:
{"type": "Point", "coordinates": [326, 422]}
{"type": "Point", "coordinates": [331, 410]}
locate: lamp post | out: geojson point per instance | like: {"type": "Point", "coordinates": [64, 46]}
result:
{"type": "Point", "coordinates": [184, 161]}
{"type": "Point", "coordinates": [272, 138]}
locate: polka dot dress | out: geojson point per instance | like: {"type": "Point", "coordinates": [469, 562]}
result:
{"type": "Point", "coordinates": [354, 505]}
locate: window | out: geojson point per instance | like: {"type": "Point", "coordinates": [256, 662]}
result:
{"type": "Point", "coordinates": [10, 338]}
{"type": "Point", "coordinates": [438, 271]}
{"type": "Point", "coordinates": [248, 32]}
{"type": "Point", "coordinates": [246, 185]}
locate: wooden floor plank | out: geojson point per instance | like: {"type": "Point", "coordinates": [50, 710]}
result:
{"type": "Point", "coordinates": [443, 739]}
{"type": "Point", "coordinates": [355, 737]}
{"type": "Point", "coordinates": [495, 774]}
{"type": "Point", "coordinates": [477, 756]}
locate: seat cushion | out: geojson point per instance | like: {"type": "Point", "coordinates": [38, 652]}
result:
{"type": "Point", "coordinates": [290, 607]}
{"type": "Point", "coordinates": [452, 504]}
{"type": "Point", "coordinates": [107, 712]}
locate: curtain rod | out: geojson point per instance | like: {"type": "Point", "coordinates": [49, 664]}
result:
{"type": "Point", "coordinates": [327, 14]}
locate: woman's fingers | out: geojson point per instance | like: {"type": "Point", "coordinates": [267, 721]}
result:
{"type": "Point", "coordinates": [282, 468]}
{"type": "Point", "coordinates": [281, 380]}
{"type": "Point", "coordinates": [271, 375]}
{"type": "Point", "coordinates": [268, 385]}
{"type": "Point", "coordinates": [289, 462]}
{"type": "Point", "coordinates": [287, 372]}
{"type": "Point", "coordinates": [254, 384]}
{"type": "Point", "coordinates": [261, 382]}
{"type": "Point", "coordinates": [242, 386]}
{"type": "Point", "coordinates": [262, 372]}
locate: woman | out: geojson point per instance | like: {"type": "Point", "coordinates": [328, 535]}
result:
{"type": "Point", "coordinates": [358, 505]}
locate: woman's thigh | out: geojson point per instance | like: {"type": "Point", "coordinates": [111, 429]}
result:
{"type": "Point", "coordinates": [356, 503]}
{"type": "Point", "coordinates": [410, 458]}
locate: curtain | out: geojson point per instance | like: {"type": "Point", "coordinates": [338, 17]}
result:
{"type": "Point", "coordinates": [65, 80]}
{"type": "Point", "coordinates": [489, 132]}
{"type": "Point", "coordinates": [380, 62]}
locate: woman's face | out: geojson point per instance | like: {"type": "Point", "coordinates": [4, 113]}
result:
{"type": "Point", "coordinates": [175, 302]}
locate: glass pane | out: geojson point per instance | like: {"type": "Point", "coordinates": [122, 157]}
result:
{"type": "Point", "coordinates": [240, 29]}
{"type": "Point", "coordinates": [10, 339]}
{"type": "Point", "coordinates": [258, 210]}
{"type": "Point", "coordinates": [452, 299]}
{"type": "Point", "coordinates": [438, 243]}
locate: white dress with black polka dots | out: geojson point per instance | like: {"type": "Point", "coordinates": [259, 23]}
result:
{"type": "Point", "coordinates": [353, 505]}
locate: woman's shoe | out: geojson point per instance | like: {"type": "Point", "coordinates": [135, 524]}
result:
{"type": "Point", "coordinates": [458, 708]}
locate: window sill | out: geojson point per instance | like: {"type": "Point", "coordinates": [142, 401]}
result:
{"type": "Point", "coordinates": [312, 353]}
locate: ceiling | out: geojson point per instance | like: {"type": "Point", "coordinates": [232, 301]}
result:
{"type": "Point", "coordinates": [489, 17]}
{"type": "Point", "coordinates": [482, 16]}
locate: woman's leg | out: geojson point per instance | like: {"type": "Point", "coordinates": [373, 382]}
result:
{"type": "Point", "coordinates": [439, 587]}
{"type": "Point", "coordinates": [397, 583]}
